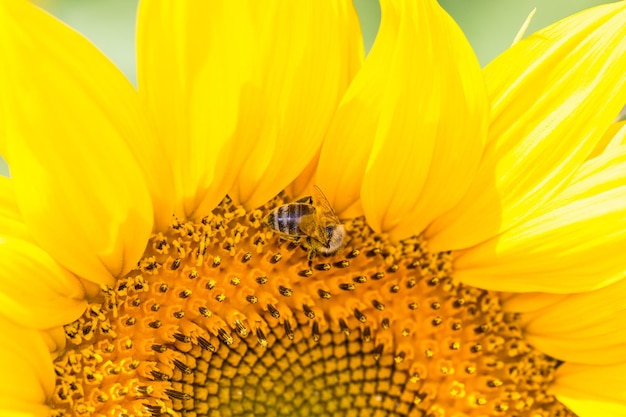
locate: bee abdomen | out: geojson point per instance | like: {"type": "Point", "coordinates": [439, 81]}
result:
{"type": "Point", "coordinates": [285, 219]}
{"type": "Point", "coordinates": [270, 220]}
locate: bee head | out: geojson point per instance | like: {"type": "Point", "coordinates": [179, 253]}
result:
{"type": "Point", "coordinates": [335, 234]}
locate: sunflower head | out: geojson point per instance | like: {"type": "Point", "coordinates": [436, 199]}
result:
{"type": "Point", "coordinates": [224, 317]}
{"type": "Point", "coordinates": [159, 256]}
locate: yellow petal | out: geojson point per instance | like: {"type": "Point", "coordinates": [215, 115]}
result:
{"type": "Point", "coordinates": [243, 92]}
{"type": "Point", "coordinates": [553, 95]}
{"type": "Point", "coordinates": [26, 369]}
{"type": "Point", "coordinates": [617, 133]}
{"type": "Point", "coordinates": [34, 290]}
{"type": "Point", "coordinates": [574, 243]}
{"type": "Point", "coordinates": [23, 410]}
{"type": "Point", "coordinates": [592, 391]}
{"type": "Point", "coordinates": [11, 221]}
{"type": "Point", "coordinates": [68, 114]}
{"type": "Point", "coordinates": [614, 136]}
{"type": "Point", "coordinates": [409, 133]}
{"type": "Point", "coordinates": [179, 44]}
{"type": "Point", "coordinates": [55, 339]}
{"type": "Point", "coordinates": [584, 328]}
{"type": "Point", "coordinates": [529, 302]}
{"type": "Point", "coordinates": [309, 54]}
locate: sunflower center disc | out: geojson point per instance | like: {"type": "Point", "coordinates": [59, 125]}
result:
{"type": "Point", "coordinates": [223, 318]}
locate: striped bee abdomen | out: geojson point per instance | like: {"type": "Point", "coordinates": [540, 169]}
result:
{"type": "Point", "coordinates": [285, 219]}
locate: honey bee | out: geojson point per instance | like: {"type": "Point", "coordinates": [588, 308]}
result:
{"type": "Point", "coordinates": [310, 221]}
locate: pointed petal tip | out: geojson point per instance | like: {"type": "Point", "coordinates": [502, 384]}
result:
{"type": "Point", "coordinates": [429, 73]}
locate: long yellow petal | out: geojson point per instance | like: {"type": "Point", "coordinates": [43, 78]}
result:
{"type": "Point", "coordinates": [179, 46]}
{"type": "Point", "coordinates": [34, 290]}
{"type": "Point", "coordinates": [55, 339]}
{"type": "Point", "coordinates": [553, 96]}
{"type": "Point", "coordinates": [243, 105]}
{"type": "Point", "coordinates": [574, 243]}
{"type": "Point", "coordinates": [617, 133]}
{"type": "Point", "coordinates": [583, 328]}
{"type": "Point", "coordinates": [409, 133]}
{"type": "Point", "coordinates": [26, 369]}
{"type": "Point", "coordinates": [68, 115]}
{"type": "Point", "coordinates": [592, 391]}
{"type": "Point", "coordinates": [11, 221]}
{"type": "Point", "coordinates": [529, 302]}
{"type": "Point", "coordinates": [304, 76]}
{"type": "Point", "coordinates": [23, 410]}
{"type": "Point", "coordinates": [614, 136]}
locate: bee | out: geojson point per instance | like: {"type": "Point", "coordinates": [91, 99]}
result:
{"type": "Point", "coordinates": [310, 221]}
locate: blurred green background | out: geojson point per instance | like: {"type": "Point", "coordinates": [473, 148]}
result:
{"type": "Point", "coordinates": [490, 25]}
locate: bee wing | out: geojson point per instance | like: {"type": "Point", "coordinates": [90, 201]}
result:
{"type": "Point", "coordinates": [311, 227]}
{"type": "Point", "coordinates": [322, 202]}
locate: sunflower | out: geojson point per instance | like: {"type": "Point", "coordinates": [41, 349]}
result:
{"type": "Point", "coordinates": [481, 269]}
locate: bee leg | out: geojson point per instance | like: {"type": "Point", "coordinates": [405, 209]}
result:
{"type": "Point", "coordinates": [312, 253]}
{"type": "Point", "coordinates": [293, 241]}
{"type": "Point", "coordinates": [293, 244]}
{"type": "Point", "coordinates": [306, 200]}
